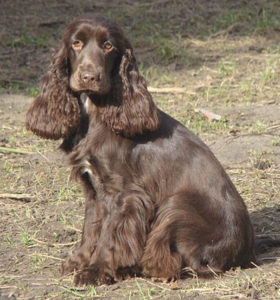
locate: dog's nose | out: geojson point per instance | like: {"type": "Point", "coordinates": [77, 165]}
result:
{"type": "Point", "coordinates": [88, 77]}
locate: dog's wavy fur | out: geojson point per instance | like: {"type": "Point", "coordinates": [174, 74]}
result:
{"type": "Point", "coordinates": [157, 200]}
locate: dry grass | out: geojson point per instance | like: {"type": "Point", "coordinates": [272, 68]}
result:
{"type": "Point", "coordinates": [226, 56]}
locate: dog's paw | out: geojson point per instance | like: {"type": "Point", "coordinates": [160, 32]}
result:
{"type": "Point", "coordinates": [69, 266]}
{"type": "Point", "coordinates": [93, 275]}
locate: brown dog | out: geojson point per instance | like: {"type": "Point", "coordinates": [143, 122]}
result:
{"type": "Point", "coordinates": [157, 199]}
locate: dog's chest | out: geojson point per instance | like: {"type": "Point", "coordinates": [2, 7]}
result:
{"type": "Point", "coordinates": [102, 164]}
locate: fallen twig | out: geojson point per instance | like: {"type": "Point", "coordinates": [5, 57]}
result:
{"type": "Point", "coordinates": [176, 90]}
{"type": "Point", "coordinates": [48, 256]}
{"type": "Point", "coordinates": [44, 156]}
{"type": "Point", "coordinates": [228, 30]}
{"type": "Point", "coordinates": [273, 126]}
{"type": "Point", "coordinates": [54, 244]}
{"type": "Point", "coordinates": [155, 3]}
{"type": "Point", "coordinates": [13, 150]}
{"type": "Point", "coordinates": [21, 197]}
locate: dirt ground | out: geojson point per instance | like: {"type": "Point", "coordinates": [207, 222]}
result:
{"type": "Point", "coordinates": [223, 56]}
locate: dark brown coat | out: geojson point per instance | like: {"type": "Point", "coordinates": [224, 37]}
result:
{"type": "Point", "coordinates": [157, 199]}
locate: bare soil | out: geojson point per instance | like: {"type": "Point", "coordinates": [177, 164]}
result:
{"type": "Point", "coordinates": [224, 55]}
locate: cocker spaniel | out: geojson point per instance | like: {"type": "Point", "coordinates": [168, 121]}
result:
{"type": "Point", "coordinates": [158, 202]}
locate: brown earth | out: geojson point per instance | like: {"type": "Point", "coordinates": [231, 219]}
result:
{"type": "Point", "coordinates": [225, 55]}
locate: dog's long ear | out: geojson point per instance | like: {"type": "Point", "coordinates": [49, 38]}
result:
{"type": "Point", "coordinates": [136, 112]}
{"type": "Point", "coordinates": [55, 113]}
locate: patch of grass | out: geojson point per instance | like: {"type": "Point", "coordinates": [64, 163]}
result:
{"type": "Point", "coordinates": [67, 193]}
{"type": "Point", "coordinates": [28, 213]}
{"type": "Point", "coordinates": [229, 57]}
{"type": "Point", "coordinates": [165, 49]}
{"type": "Point", "coordinates": [258, 154]}
{"type": "Point", "coordinates": [262, 161]}
{"type": "Point", "coordinates": [141, 292]}
{"type": "Point", "coordinates": [11, 168]}
{"type": "Point", "coordinates": [267, 18]}
{"type": "Point", "coordinates": [258, 127]}
{"type": "Point", "coordinates": [247, 19]}
{"type": "Point", "coordinates": [275, 142]}
{"type": "Point", "coordinates": [150, 73]}
{"type": "Point", "coordinates": [171, 49]}
{"type": "Point", "coordinates": [18, 87]}
{"type": "Point", "coordinates": [200, 124]}
{"type": "Point", "coordinates": [26, 239]}
{"type": "Point", "coordinates": [38, 260]}
{"type": "Point", "coordinates": [268, 75]}
{"type": "Point", "coordinates": [10, 240]}
{"type": "Point", "coordinates": [63, 219]}
{"type": "Point", "coordinates": [34, 92]}
{"type": "Point", "coordinates": [273, 49]}
{"type": "Point", "coordinates": [26, 39]}
{"type": "Point", "coordinates": [228, 68]}
{"type": "Point", "coordinates": [248, 91]}
{"type": "Point", "coordinates": [221, 93]}
{"type": "Point", "coordinates": [90, 291]}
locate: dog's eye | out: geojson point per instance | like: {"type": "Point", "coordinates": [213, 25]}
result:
{"type": "Point", "coordinates": [77, 45]}
{"type": "Point", "coordinates": [108, 46]}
